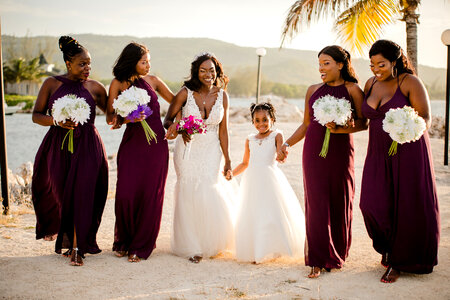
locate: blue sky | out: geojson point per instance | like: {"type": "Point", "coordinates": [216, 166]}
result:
{"type": "Point", "coordinates": [253, 23]}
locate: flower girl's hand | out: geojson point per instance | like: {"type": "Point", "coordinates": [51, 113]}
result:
{"type": "Point", "coordinates": [172, 132]}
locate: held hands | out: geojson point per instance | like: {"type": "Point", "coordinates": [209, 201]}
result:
{"type": "Point", "coordinates": [282, 154]}
{"type": "Point", "coordinates": [227, 171]}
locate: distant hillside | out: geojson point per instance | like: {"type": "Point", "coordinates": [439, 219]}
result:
{"type": "Point", "coordinates": [171, 58]}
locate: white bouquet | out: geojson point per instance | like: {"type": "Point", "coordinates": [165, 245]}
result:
{"type": "Point", "coordinates": [404, 125]}
{"type": "Point", "coordinates": [70, 107]}
{"type": "Point", "coordinates": [331, 109]}
{"type": "Point", "coordinates": [132, 105]}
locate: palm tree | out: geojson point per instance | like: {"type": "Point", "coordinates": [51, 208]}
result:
{"type": "Point", "coordinates": [358, 22]}
{"type": "Point", "coordinates": [19, 70]}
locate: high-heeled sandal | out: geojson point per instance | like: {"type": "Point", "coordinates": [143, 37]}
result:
{"type": "Point", "coordinates": [67, 253]}
{"type": "Point", "coordinates": [195, 259]}
{"type": "Point", "coordinates": [76, 259]}
{"type": "Point", "coordinates": [390, 276]}
{"type": "Point", "coordinates": [315, 272]}
{"type": "Point", "coordinates": [133, 258]}
{"type": "Point", "coordinates": [385, 260]}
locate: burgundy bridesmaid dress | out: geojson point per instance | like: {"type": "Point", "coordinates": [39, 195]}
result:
{"type": "Point", "coordinates": [398, 195]}
{"type": "Point", "coordinates": [70, 189]}
{"type": "Point", "coordinates": [329, 186]}
{"type": "Point", "coordinates": [141, 179]}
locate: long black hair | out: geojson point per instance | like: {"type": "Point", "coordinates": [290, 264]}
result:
{"type": "Point", "coordinates": [394, 53]}
{"type": "Point", "coordinates": [341, 55]}
{"type": "Point", "coordinates": [125, 65]}
{"type": "Point", "coordinates": [194, 84]}
{"type": "Point", "coordinates": [70, 47]}
{"type": "Point", "coordinates": [266, 106]}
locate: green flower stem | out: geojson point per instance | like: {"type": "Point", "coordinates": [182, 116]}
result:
{"type": "Point", "coordinates": [326, 143]}
{"type": "Point", "coordinates": [149, 133]}
{"type": "Point", "coordinates": [393, 149]}
{"type": "Point", "coordinates": [70, 142]}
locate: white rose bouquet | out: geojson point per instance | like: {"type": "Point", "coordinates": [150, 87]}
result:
{"type": "Point", "coordinates": [404, 125]}
{"type": "Point", "coordinates": [73, 108]}
{"type": "Point", "coordinates": [132, 104]}
{"type": "Point", "coordinates": [331, 109]}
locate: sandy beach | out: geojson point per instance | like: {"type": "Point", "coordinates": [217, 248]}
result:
{"type": "Point", "coordinates": [30, 269]}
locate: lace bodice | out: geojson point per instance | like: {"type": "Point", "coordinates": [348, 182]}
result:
{"type": "Point", "coordinates": [215, 116]}
{"type": "Point", "coordinates": [262, 151]}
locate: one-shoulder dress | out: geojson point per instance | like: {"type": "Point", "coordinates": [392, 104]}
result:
{"type": "Point", "coordinates": [141, 178]}
{"type": "Point", "coordinates": [329, 185]}
{"type": "Point", "coordinates": [70, 190]}
{"type": "Point", "coordinates": [398, 195]}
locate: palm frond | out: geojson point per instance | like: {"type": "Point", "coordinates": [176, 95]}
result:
{"type": "Point", "coordinates": [304, 12]}
{"type": "Point", "coordinates": [361, 25]}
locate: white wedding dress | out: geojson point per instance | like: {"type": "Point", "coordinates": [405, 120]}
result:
{"type": "Point", "coordinates": [270, 221]}
{"type": "Point", "coordinates": [204, 209]}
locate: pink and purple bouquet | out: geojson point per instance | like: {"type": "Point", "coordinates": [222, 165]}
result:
{"type": "Point", "coordinates": [132, 105]}
{"type": "Point", "coordinates": [191, 125]}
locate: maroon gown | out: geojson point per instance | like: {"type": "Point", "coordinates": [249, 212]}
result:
{"type": "Point", "coordinates": [70, 189]}
{"type": "Point", "coordinates": [398, 195]}
{"type": "Point", "coordinates": [141, 179]}
{"type": "Point", "coordinates": [329, 189]}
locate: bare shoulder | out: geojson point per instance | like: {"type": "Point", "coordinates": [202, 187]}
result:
{"type": "Point", "coordinates": [410, 79]}
{"type": "Point", "coordinates": [369, 83]}
{"type": "Point", "coordinates": [352, 86]}
{"type": "Point", "coordinates": [313, 88]}
{"type": "Point", "coordinates": [153, 79]}
{"type": "Point", "coordinates": [95, 85]}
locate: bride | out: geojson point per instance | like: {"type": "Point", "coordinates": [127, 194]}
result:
{"type": "Point", "coordinates": [203, 215]}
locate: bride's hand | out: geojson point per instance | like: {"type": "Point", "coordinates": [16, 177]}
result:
{"type": "Point", "coordinates": [227, 171]}
{"type": "Point", "coordinates": [186, 137]}
{"type": "Point", "coordinates": [172, 132]}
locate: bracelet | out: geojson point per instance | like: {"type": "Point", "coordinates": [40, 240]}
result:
{"type": "Point", "coordinates": [286, 144]}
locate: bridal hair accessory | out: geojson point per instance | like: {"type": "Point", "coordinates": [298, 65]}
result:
{"type": "Point", "coordinates": [204, 53]}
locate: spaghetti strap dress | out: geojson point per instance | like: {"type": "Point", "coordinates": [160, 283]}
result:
{"type": "Point", "coordinates": [398, 195]}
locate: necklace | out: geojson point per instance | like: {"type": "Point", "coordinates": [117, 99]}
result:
{"type": "Point", "coordinates": [262, 139]}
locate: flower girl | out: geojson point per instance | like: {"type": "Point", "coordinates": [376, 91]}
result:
{"type": "Point", "coordinates": [270, 222]}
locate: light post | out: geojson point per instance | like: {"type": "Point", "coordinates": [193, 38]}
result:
{"type": "Point", "coordinates": [260, 52]}
{"type": "Point", "coordinates": [445, 37]}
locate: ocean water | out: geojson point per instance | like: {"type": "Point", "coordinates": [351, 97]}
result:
{"type": "Point", "coordinates": [23, 137]}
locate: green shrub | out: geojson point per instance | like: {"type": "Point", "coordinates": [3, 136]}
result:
{"type": "Point", "coordinates": [12, 100]}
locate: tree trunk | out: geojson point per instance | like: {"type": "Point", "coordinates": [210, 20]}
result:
{"type": "Point", "coordinates": [411, 19]}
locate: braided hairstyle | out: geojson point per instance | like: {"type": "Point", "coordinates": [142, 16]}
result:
{"type": "Point", "coordinates": [340, 55]}
{"type": "Point", "coordinates": [394, 53]}
{"type": "Point", "coordinates": [194, 84]}
{"type": "Point", "coordinates": [70, 47]}
{"type": "Point", "coordinates": [266, 106]}
{"type": "Point", "coordinates": [125, 66]}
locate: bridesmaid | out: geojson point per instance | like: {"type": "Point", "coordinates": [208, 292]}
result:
{"type": "Point", "coordinates": [69, 190]}
{"type": "Point", "coordinates": [329, 182]}
{"type": "Point", "coordinates": [141, 167]}
{"type": "Point", "coordinates": [398, 193]}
